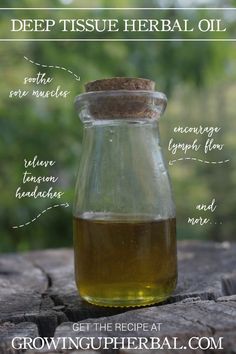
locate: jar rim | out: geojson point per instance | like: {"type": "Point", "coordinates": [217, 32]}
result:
{"type": "Point", "coordinates": [91, 94]}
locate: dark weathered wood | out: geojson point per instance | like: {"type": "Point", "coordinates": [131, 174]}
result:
{"type": "Point", "coordinates": [21, 286]}
{"type": "Point", "coordinates": [39, 287]}
{"type": "Point", "coordinates": [24, 294]}
{"type": "Point", "coordinates": [9, 330]}
{"type": "Point", "coordinates": [185, 319]}
{"type": "Point", "coordinates": [205, 270]}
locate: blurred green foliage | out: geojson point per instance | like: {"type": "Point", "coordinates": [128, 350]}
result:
{"type": "Point", "coordinates": [199, 79]}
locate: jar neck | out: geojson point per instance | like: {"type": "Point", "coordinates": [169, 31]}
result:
{"type": "Point", "coordinates": [121, 140]}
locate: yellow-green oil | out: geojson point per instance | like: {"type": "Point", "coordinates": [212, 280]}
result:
{"type": "Point", "coordinates": [124, 262]}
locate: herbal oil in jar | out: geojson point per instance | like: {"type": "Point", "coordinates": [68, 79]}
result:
{"type": "Point", "coordinates": [124, 214]}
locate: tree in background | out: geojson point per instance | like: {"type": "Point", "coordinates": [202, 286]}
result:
{"type": "Point", "coordinates": [199, 79]}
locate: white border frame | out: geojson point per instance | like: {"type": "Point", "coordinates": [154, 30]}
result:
{"type": "Point", "coordinates": [118, 39]}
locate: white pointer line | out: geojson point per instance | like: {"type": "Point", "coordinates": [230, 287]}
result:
{"type": "Point", "coordinates": [171, 162]}
{"type": "Point", "coordinates": [44, 211]}
{"type": "Point", "coordinates": [53, 66]}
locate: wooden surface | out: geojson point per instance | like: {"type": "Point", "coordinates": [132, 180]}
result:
{"type": "Point", "coordinates": [38, 298]}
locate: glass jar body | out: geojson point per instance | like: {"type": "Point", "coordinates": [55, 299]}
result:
{"type": "Point", "coordinates": [124, 216]}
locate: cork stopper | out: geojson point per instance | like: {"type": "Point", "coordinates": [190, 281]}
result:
{"type": "Point", "coordinates": [121, 98]}
{"type": "Point", "coordinates": [120, 83]}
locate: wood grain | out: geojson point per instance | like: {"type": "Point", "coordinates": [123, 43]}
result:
{"type": "Point", "coordinates": [38, 296]}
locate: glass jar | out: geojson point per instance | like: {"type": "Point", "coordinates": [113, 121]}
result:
{"type": "Point", "coordinates": [124, 214]}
